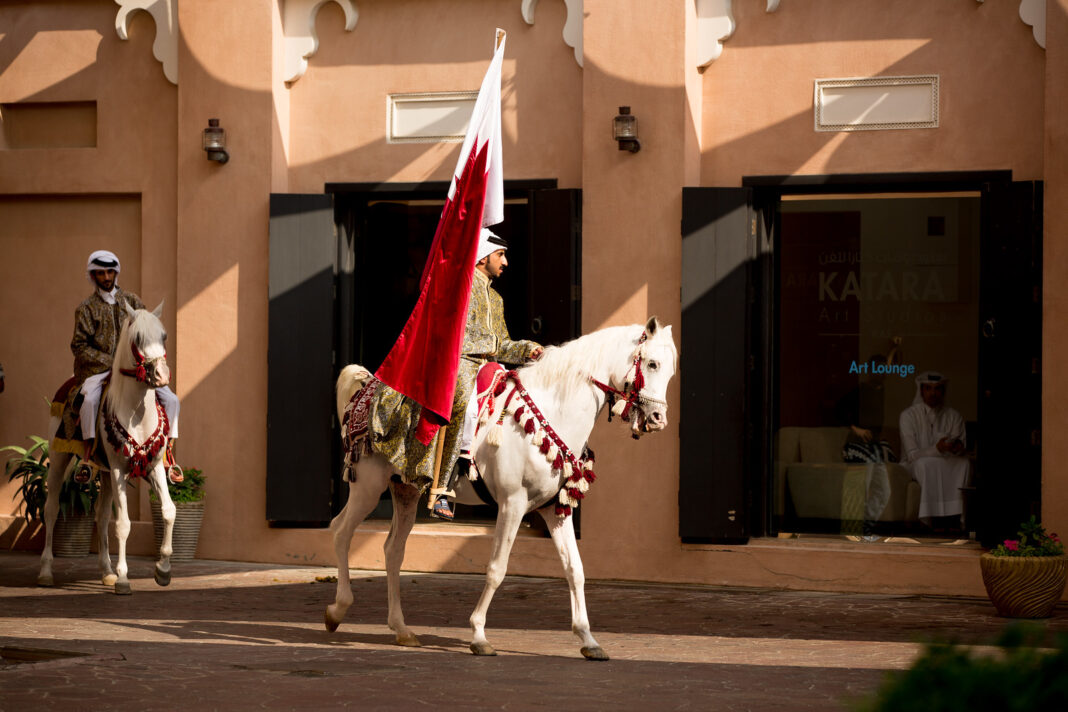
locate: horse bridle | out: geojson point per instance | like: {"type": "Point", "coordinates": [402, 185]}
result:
{"type": "Point", "coordinates": [631, 394]}
{"type": "Point", "coordinates": [142, 367]}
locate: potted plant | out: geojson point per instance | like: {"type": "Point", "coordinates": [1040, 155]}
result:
{"type": "Point", "coordinates": [74, 525]}
{"type": "Point", "coordinates": [1025, 577]}
{"type": "Point", "coordinates": [188, 498]}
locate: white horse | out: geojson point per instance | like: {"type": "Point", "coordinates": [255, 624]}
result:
{"type": "Point", "coordinates": [569, 385]}
{"type": "Point", "coordinates": [134, 431]}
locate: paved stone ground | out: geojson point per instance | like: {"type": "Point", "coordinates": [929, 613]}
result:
{"type": "Point", "coordinates": [235, 636]}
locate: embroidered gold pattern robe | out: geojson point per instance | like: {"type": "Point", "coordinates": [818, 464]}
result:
{"type": "Point", "coordinates": [96, 334]}
{"type": "Point", "coordinates": [394, 417]}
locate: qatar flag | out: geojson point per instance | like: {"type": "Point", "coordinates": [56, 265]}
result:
{"type": "Point", "coordinates": [423, 363]}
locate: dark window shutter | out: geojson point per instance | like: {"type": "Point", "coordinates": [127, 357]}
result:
{"type": "Point", "coordinates": [301, 438]}
{"type": "Point", "coordinates": [1008, 478]}
{"type": "Point", "coordinates": [712, 365]}
{"type": "Point", "coordinates": [554, 286]}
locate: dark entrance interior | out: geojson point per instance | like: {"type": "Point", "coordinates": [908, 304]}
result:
{"type": "Point", "coordinates": [950, 263]}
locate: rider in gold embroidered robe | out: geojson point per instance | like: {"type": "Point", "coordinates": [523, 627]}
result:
{"type": "Point", "coordinates": [97, 323]}
{"type": "Point", "coordinates": [394, 417]}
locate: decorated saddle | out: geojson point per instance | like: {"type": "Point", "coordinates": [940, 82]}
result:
{"type": "Point", "coordinates": [65, 405]}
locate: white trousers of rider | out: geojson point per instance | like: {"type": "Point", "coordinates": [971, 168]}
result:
{"type": "Point", "coordinates": [470, 422]}
{"type": "Point", "coordinates": [94, 386]}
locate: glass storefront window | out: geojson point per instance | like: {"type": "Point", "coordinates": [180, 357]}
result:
{"type": "Point", "coordinates": [873, 292]}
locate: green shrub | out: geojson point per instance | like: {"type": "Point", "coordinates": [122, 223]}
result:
{"type": "Point", "coordinates": [29, 468]}
{"type": "Point", "coordinates": [191, 489]}
{"type": "Point", "coordinates": [1021, 676]}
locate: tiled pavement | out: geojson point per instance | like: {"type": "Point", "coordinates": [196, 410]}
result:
{"type": "Point", "coordinates": [235, 636]}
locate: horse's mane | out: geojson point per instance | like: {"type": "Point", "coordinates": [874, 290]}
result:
{"type": "Point", "coordinates": [142, 328]}
{"type": "Point", "coordinates": [568, 367]}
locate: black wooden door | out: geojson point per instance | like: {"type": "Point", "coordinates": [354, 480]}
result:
{"type": "Point", "coordinates": [1008, 477]}
{"type": "Point", "coordinates": [718, 236]}
{"type": "Point", "coordinates": [554, 306]}
{"type": "Point", "coordinates": [301, 435]}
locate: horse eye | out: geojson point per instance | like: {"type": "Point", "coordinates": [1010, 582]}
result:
{"type": "Point", "coordinates": [653, 365]}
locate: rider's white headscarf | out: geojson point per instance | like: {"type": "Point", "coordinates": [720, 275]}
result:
{"type": "Point", "coordinates": [101, 259]}
{"type": "Point", "coordinates": [488, 243]}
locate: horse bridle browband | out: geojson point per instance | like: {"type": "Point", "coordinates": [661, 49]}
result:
{"type": "Point", "coordinates": [142, 366]}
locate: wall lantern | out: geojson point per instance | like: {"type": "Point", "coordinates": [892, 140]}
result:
{"type": "Point", "coordinates": [215, 142]}
{"type": "Point", "coordinates": [625, 130]}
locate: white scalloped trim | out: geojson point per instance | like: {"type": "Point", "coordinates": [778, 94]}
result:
{"type": "Point", "coordinates": [572, 25]}
{"type": "Point", "coordinates": [298, 26]}
{"type": "Point", "coordinates": [165, 46]}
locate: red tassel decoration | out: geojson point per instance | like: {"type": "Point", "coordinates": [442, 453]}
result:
{"type": "Point", "coordinates": [558, 462]}
{"type": "Point", "coordinates": [575, 494]}
{"type": "Point", "coordinates": [529, 427]}
{"type": "Point", "coordinates": [518, 414]}
{"type": "Point", "coordinates": [590, 477]}
{"type": "Point", "coordinates": [500, 388]}
{"type": "Point", "coordinates": [545, 444]}
{"type": "Point", "coordinates": [562, 510]}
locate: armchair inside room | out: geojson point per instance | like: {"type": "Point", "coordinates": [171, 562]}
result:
{"type": "Point", "coordinates": [817, 491]}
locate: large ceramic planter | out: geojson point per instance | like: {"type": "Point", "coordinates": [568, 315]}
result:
{"type": "Point", "coordinates": [72, 535]}
{"type": "Point", "coordinates": [1024, 586]}
{"type": "Point", "coordinates": [187, 518]}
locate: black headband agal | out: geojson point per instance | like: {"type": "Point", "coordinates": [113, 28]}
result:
{"type": "Point", "coordinates": [104, 263]}
{"type": "Point", "coordinates": [497, 240]}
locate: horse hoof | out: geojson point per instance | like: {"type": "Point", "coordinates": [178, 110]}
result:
{"type": "Point", "coordinates": [122, 588]}
{"type": "Point", "coordinates": [408, 640]}
{"type": "Point", "coordinates": [482, 649]}
{"type": "Point", "coordinates": [163, 578]}
{"type": "Point", "coordinates": [596, 653]}
{"type": "Point", "coordinates": [331, 624]}
{"type": "Point", "coordinates": [109, 580]}
{"type": "Point", "coordinates": [45, 581]}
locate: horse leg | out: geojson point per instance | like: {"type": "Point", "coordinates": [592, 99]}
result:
{"type": "Point", "coordinates": [122, 530]}
{"type": "Point", "coordinates": [372, 477]}
{"type": "Point", "coordinates": [405, 505]}
{"type": "Point", "coordinates": [562, 530]}
{"type": "Point", "coordinates": [103, 517]}
{"type": "Point", "coordinates": [56, 469]}
{"type": "Point", "coordinates": [158, 478]}
{"type": "Point", "coordinates": [509, 515]}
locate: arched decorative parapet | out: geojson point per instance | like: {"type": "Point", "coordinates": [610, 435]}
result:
{"type": "Point", "coordinates": [301, 41]}
{"type": "Point", "coordinates": [1033, 13]}
{"type": "Point", "coordinates": [572, 25]}
{"type": "Point", "coordinates": [165, 14]}
{"type": "Point", "coordinates": [715, 23]}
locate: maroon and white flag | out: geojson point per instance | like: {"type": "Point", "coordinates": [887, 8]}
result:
{"type": "Point", "coordinates": [423, 363]}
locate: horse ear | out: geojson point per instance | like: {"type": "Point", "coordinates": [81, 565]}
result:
{"type": "Point", "coordinates": [158, 311]}
{"type": "Point", "coordinates": [129, 310]}
{"type": "Point", "coordinates": [651, 326]}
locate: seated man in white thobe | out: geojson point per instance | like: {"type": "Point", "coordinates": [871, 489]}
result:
{"type": "Point", "coordinates": [932, 443]}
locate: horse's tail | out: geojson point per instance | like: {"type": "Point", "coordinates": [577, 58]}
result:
{"type": "Point", "coordinates": [352, 379]}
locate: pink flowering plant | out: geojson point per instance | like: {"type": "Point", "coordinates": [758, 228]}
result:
{"type": "Point", "coordinates": [1033, 541]}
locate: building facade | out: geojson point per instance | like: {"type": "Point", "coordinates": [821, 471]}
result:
{"type": "Point", "coordinates": [829, 199]}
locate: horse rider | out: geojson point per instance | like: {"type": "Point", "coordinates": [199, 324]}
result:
{"type": "Point", "coordinates": [97, 323]}
{"type": "Point", "coordinates": [485, 339]}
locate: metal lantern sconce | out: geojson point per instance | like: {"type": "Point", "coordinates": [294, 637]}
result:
{"type": "Point", "coordinates": [625, 130]}
{"type": "Point", "coordinates": [215, 142]}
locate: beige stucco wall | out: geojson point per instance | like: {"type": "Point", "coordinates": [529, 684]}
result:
{"type": "Point", "coordinates": [203, 233]}
{"type": "Point", "coordinates": [758, 117]}
{"type": "Point", "coordinates": [337, 111]}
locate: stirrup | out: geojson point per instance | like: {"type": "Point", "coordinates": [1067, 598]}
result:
{"type": "Point", "coordinates": [85, 471]}
{"type": "Point", "coordinates": [441, 509]}
{"type": "Point", "coordinates": [175, 475]}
